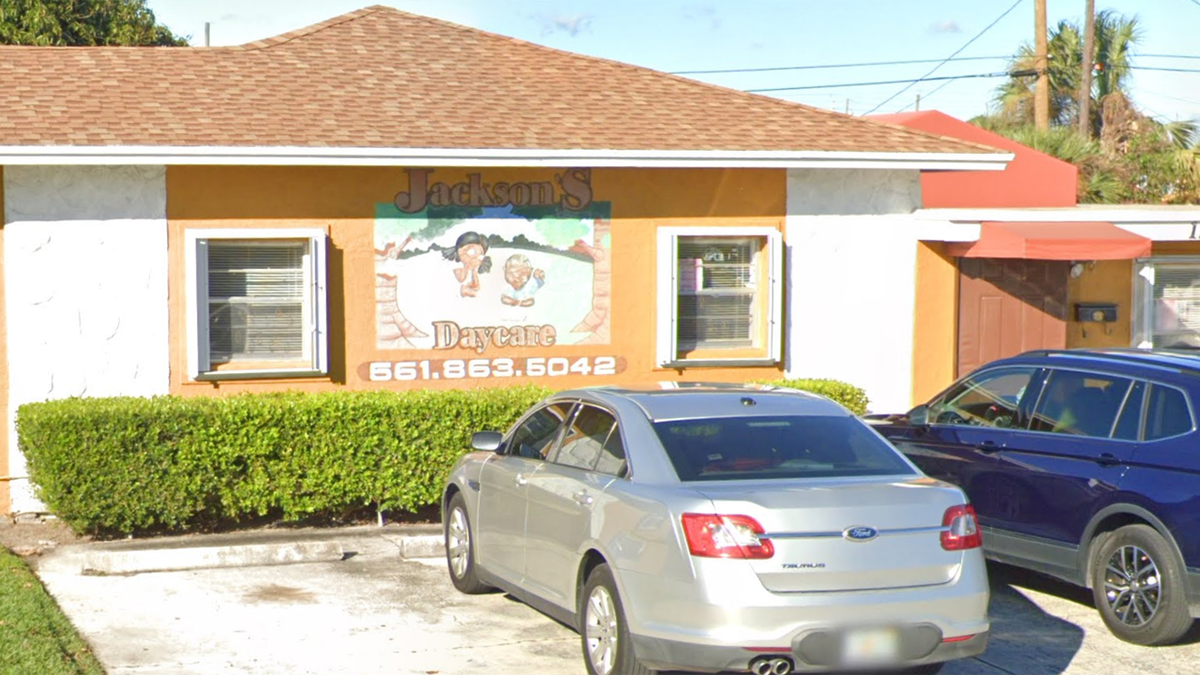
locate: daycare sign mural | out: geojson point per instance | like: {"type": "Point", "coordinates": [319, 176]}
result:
{"type": "Point", "coordinates": [490, 267]}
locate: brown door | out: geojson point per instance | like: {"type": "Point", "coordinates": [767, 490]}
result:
{"type": "Point", "coordinates": [1007, 306]}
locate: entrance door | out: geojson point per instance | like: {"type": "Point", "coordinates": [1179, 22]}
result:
{"type": "Point", "coordinates": [1009, 306]}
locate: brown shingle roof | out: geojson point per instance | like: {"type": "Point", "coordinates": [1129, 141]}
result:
{"type": "Point", "coordinates": [383, 78]}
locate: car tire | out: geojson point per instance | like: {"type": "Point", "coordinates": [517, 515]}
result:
{"type": "Point", "coordinates": [460, 548]}
{"type": "Point", "coordinates": [1138, 586]}
{"type": "Point", "coordinates": [604, 634]}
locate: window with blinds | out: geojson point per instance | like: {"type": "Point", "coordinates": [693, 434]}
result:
{"type": "Point", "coordinates": [717, 292]}
{"type": "Point", "coordinates": [256, 300]}
{"type": "Point", "coordinates": [1176, 306]}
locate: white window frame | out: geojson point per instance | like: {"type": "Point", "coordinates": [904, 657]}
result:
{"type": "Point", "coordinates": [667, 333]}
{"type": "Point", "coordinates": [316, 304]}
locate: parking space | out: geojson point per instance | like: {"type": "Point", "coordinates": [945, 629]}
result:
{"type": "Point", "coordinates": [376, 613]}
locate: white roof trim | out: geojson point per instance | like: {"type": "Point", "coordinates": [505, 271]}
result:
{"type": "Point", "coordinates": [346, 156]}
{"type": "Point", "coordinates": [1117, 215]}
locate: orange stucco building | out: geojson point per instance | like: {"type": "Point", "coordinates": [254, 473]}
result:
{"type": "Point", "coordinates": [355, 205]}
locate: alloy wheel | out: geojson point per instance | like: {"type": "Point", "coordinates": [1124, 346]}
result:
{"type": "Point", "coordinates": [600, 630]}
{"type": "Point", "coordinates": [458, 544]}
{"type": "Point", "coordinates": [1132, 585]}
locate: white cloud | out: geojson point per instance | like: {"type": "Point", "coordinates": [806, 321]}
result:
{"type": "Point", "coordinates": [947, 26]}
{"type": "Point", "coordinates": [572, 25]}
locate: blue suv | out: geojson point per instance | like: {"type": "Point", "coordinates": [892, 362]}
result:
{"type": "Point", "coordinates": [1084, 465]}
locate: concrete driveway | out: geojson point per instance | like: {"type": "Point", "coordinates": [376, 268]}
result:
{"type": "Point", "coordinates": [367, 610]}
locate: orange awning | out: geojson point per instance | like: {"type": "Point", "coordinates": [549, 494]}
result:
{"type": "Point", "coordinates": [1053, 241]}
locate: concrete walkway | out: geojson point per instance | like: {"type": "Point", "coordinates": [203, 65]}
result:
{"type": "Point", "coordinates": [346, 601]}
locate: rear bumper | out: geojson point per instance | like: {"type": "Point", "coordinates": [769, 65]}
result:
{"type": "Point", "coordinates": [724, 625]}
{"type": "Point", "coordinates": [671, 654]}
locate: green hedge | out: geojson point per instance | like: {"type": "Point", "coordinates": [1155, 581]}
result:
{"type": "Point", "coordinates": [145, 465]}
{"type": "Point", "coordinates": [850, 396]}
{"type": "Point", "coordinates": [150, 465]}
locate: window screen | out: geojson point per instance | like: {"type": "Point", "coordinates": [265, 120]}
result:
{"type": "Point", "coordinates": [717, 291]}
{"type": "Point", "coordinates": [256, 300]}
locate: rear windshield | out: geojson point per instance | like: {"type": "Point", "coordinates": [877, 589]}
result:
{"type": "Point", "coordinates": [742, 448]}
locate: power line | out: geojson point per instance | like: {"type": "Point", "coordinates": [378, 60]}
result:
{"type": "Point", "coordinates": [870, 84]}
{"type": "Point", "coordinates": [834, 65]}
{"type": "Point", "coordinates": [1167, 70]}
{"type": "Point", "coordinates": [960, 49]}
{"type": "Point", "coordinates": [931, 93]}
{"type": "Point", "coordinates": [1172, 56]}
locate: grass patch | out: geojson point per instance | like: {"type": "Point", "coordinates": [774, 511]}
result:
{"type": "Point", "coordinates": [35, 636]}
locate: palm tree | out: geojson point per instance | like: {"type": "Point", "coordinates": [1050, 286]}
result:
{"type": "Point", "coordinates": [1116, 35]}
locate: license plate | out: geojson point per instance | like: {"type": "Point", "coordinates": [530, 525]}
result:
{"type": "Point", "coordinates": [868, 646]}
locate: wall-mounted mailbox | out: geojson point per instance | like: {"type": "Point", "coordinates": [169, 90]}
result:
{"type": "Point", "coordinates": [1104, 312]}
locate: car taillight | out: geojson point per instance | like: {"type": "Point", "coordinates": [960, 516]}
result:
{"type": "Point", "coordinates": [962, 531]}
{"type": "Point", "coordinates": [716, 536]}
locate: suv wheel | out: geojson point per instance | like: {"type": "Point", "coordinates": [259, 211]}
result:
{"type": "Point", "coordinates": [1138, 586]}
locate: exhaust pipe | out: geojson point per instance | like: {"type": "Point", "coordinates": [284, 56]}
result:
{"type": "Point", "coordinates": [769, 666]}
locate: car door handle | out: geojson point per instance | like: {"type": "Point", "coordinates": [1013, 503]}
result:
{"type": "Point", "coordinates": [1107, 459]}
{"type": "Point", "coordinates": [582, 497]}
{"type": "Point", "coordinates": [521, 479]}
{"type": "Point", "coordinates": [988, 446]}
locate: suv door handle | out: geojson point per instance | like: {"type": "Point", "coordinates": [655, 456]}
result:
{"type": "Point", "coordinates": [1107, 459]}
{"type": "Point", "coordinates": [521, 479]}
{"type": "Point", "coordinates": [988, 446]}
{"type": "Point", "coordinates": [582, 497]}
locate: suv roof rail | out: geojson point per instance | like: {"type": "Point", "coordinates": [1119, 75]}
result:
{"type": "Point", "coordinates": [1172, 360]}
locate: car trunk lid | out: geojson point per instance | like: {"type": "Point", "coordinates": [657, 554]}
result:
{"type": "Point", "coordinates": [846, 534]}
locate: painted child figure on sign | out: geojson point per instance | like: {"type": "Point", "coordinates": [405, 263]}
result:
{"type": "Point", "coordinates": [471, 250]}
{"type": "Point", "coordinates": [523, 281]}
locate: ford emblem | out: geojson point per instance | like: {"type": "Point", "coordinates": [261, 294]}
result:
{"type": "Point", "coordinates": [861, 533]}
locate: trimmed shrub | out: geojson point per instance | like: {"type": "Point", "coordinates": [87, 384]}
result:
{"type": "Point", "coordinates": [851, 397]}
{"type": "Point", "coordinates": [143, 465]}
{"type": "Point", "coordinates": [116, 466]}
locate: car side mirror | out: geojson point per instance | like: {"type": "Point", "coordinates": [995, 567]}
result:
{"type": "Point", "coordinates": [487, 441]}
{"type": "Point", "coordinates": [918, 416]}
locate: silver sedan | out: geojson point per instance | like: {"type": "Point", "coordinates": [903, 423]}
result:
{"type": "Point", "coordinates": [719, 528]}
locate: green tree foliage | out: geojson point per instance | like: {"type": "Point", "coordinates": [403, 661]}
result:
{"type": "Point", "coordinates": [1132, 158]}
{"type": "Point", "coordinates": [1116, 36]}
{"type": "Point", "coordinates": [82, 23]}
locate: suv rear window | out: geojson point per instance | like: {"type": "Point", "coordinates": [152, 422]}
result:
{"type": "Point", "coordinates": [741, 448]}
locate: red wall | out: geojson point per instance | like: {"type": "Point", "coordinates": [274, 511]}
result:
{"type": "Point", "coordinates": [1032, 179]}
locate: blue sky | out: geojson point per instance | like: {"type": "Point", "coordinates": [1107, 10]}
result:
{"type": "Point", "coordinates": [675, 35]}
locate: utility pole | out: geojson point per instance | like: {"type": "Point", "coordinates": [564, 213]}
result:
{"type": "Point", "coordinates": [1085, 82]}
{"type": "Point", "coordinates": [1041, 94]}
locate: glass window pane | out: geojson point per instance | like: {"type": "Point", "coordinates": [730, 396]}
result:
{"type": "Point", "coordinates": [717, 291]}
{"type": "Point", "coordinates": [535, 437]}
{"type": "Point", "coordinates": [1167, 413]}
{"type": "Point", "coordinates": [1176, 312]}
{"type": "Point", "coordinates": [1130, 421]}
{"type": "Point", "coordinates": [784, 447]}
{"type": "Point", "coordinates": [1082, 404]}
{"type": "Point", "coordinates": [989, 399]}
{"type": "Point", "coordinates": [256, 300]}
{"type": "Point", "coordinates": [612, 457]}
{"type": "Point", "coordinates": [584, 439]}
